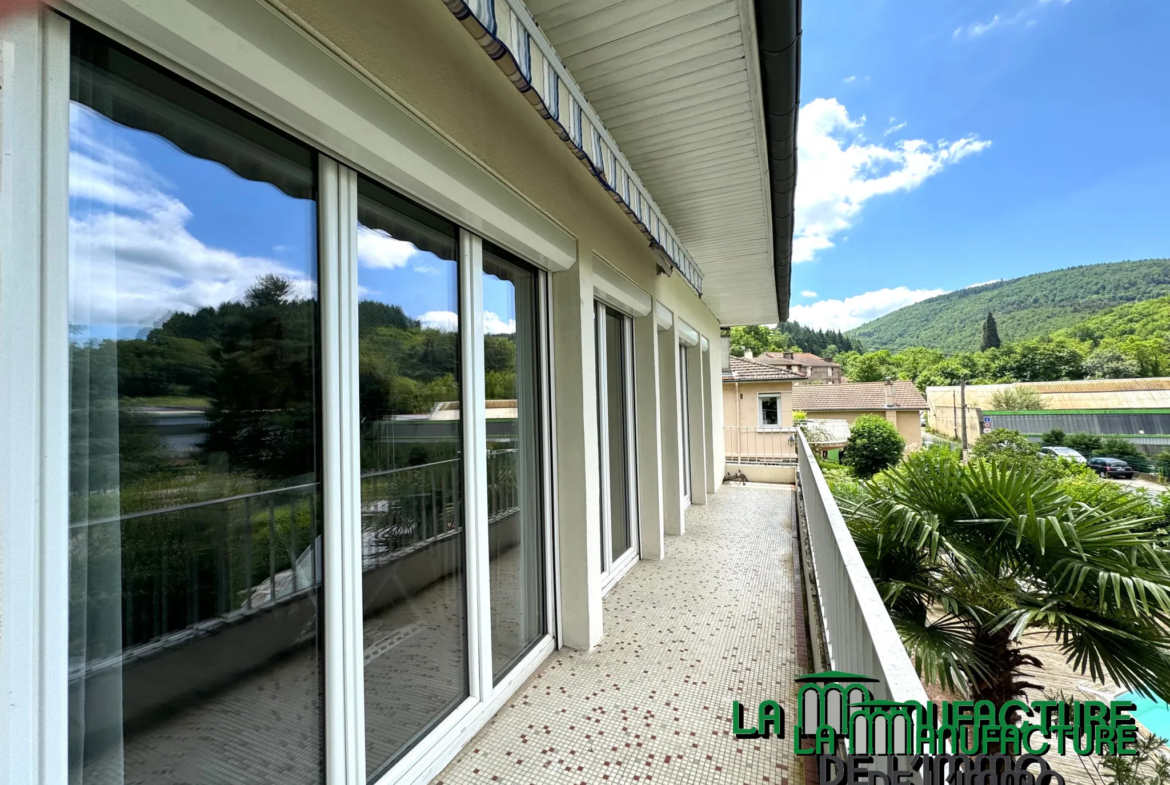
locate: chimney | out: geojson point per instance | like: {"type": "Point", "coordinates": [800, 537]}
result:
{"type": "Point", "coordinates": [787, 355]}
{"type": "Point", "coordinates": [748, 354]}
{"type": "Point", "coordinates": [889, 393]}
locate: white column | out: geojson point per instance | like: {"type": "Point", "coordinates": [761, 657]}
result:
{"type": "Point", "coordinates": [577, 481]}
{"type": "Point", "coordinates": [712, 400]}
{"type": "Point", "coordinates": [669, 403]}
{"type": "Point", "coordinates": [697, 395]}
{"type": "Point", "coordinates": [648, 420]}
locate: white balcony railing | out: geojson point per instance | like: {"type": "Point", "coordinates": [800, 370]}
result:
{"type": "Point", "coordinates": [859, 636]}
{"type": "Point", "coordinates": [750, 444]}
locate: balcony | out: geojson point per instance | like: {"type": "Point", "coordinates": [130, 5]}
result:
{"type": "Point", "coordinates": [719, 620]}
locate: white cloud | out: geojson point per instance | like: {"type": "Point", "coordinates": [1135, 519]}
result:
{"type": "Point", "coordinates": [133, 261]}
{"type": "Point", "coordinates": [494, 325]}
{"type": "Point", "coordinates": [808, 293]}
{"type": "Point", "coordinates": [447, 321]}
{"type": "Point", "coordinates": [839, 173]}
{"type": "Point", "coordinates": [985, 283]}
{"type": "Point", "coordinates": [893, 128]}
{"type": "Point", "coordinates": [1025, 15]}
{"type": "Point", "coordinates": [378, 249]}
{"type": "Point", "coordinates": [853, 311]}
{"type": "Point", "coordinates": [427, 269]}
{"type": "Point", "coordinates": [849, 79]}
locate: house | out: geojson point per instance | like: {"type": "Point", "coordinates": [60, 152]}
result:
{"type": "Point", "coordinates": [757, 415]}
{"type": "Point", "coordinates": [445, 282]}
{"type": "Point", "coordinates": [808, 365]}
{"type": "Point", "coordinates": [897, 401]}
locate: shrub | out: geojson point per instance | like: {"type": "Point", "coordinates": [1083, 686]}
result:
{"type": "Point", "coordinates": [1084, 443]}
{"type": "Point", "coordinates": [1162, 463]}
{"type": "Point", "coordinates": [1003, 442]}
{"type": "Point", "coordinates": [1053, 438]}
{"type": "Point", "coordinates": [1017, 399]}
{"type": "Point", "coordinates": [874, 444]}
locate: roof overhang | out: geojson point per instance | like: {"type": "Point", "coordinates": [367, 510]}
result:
{"type": "Point", "coordinates": [694, 101]}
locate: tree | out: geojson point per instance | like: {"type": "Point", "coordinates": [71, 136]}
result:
{"type": "Point", "coordinates": [990, 334]}
{"type": "Point", "coordinates": [1003, 442]}
{"type": "Point", "coordinates": [871, 367]}
{"type": "Point", "coordinates": [1084, 443]}
{"type": "Point", "coordinates": [1111, 364]}
{"type": "Point", "coordinates": [1162, 463]}
{"type": "Point", "coordinates": [1053, 438]}
{"type": "Point", "coordinates": [1017, 399]}
{"type": "Point", "coordinates": [874, 445]}
{"type": "Point", "coordinates": [970, 559]}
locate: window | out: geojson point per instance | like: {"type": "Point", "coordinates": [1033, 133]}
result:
{"type": "Point", "coordinates": [412, 516]}
{"type": "Point", "coordinates": [195, 442]}
{"type": "Point", "coordinates": [615, 393]}
{"type": "Point", "coordinates": [269, 414]}
{"type": "Point", "coordinates": [515, 518]}
{"type": "Point", "coordinates": [769, 410]}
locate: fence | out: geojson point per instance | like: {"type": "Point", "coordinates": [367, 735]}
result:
{"type": "Point", "coordinates": [752, 445]}
{"type": "Point", "coordinates": [859, 636]}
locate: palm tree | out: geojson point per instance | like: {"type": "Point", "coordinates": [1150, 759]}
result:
{"type": "Point", "coordinates": [969, 558]}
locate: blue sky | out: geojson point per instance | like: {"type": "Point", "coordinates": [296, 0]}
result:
{"type": "Point", "coordinates": [949, 143]}
{"type": "Point", "coordinates": [154, 231]}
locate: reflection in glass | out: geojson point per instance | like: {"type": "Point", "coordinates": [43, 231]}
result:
{"type": "Point", "coordinates": [515, 521]}
{"type": "Point", "coordinates": [416, 667]}
{"type": "Point", "coordinates": [616, 419]}
{"type": "Point", "coordinates": [194, 525]}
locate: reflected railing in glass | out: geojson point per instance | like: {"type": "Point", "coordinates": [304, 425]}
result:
{"type": "Point", "coordinates": [188, 567]}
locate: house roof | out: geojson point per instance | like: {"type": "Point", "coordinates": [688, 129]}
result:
{"type": "Point", "coordinates": [855, 396]}
{"type": "Point", "coordinates": [806, 359]}
{"type": "Point", "coordinates": [750, 371]}
{"type": "Point", "coordinates": [1153, 393]}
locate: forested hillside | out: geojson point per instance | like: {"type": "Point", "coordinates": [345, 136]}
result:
{"type": "Point", "coordinates": [1028, 307]}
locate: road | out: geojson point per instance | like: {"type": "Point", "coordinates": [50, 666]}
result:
{"type": "Point", "coordinates": [1145, 485]}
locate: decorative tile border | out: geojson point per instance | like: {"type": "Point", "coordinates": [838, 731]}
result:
{"type": "Point", "coordinates": [507, 32]}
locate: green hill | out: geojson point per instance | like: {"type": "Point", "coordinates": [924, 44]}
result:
{"type": "Point", "coordinates": [1028, 307]}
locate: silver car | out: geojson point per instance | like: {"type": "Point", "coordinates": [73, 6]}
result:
{"type": "Point", "coordinates": [1067, 453]}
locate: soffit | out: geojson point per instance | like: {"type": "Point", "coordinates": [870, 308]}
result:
{"type": "Point", "coordinates": [677, 86]}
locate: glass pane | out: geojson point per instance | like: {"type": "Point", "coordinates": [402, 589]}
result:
{"type": "Point", "coordinates": [413, 599]}
{"type": "Point", "coordinates": [770, 410]}
{"type": "Point", "coordinates": [615, 397]}
{"type": "Point", "coordinates": [515, 519]}
{"type": "Point", "coordinates": [195, 496]}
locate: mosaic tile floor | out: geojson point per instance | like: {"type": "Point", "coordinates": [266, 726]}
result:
{"type": "Point", "coordinates": [684, 637]}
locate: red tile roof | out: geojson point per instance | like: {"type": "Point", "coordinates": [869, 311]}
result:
{"type": "Point", "coordinates": [855, 396]}
{"type": "Point", "coordinates": [749, 371]}
{"type": "Point", "coordinates": [798, 358]}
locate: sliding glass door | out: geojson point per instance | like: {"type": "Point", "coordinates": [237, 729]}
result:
{"type": "Point", "coordinates": [303, 491]}
{"type": "Point", "coordinates": [615, 395]}
{"type": "Point", "coordinates": [195, 600]}
{"type": "Point", "coordinates": [414, 598]}
{"type": "Point", "coordinates": [514, 426]}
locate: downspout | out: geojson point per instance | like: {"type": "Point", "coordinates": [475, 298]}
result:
{"type": "Point", "coordinates": [778, 29]}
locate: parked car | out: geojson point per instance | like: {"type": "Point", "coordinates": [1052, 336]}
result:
{"type": "Point", "coordinates": [1068, 453]}
{"type": "Point", "coordinates": [1112, 467]}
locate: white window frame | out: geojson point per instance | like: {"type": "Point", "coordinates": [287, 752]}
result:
{"type": "Point", "coordinates": [34, 356]}
{"type": "Point", "coordinates": [761, 426]}
{"type": "Point", "coordinates": [613, 569]}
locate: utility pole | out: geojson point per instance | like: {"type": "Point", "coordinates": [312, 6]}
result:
{"type": "Point", "coordinates": [963, 405]}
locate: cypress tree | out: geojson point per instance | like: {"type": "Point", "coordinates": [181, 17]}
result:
{"type": "Point", "coordinates": [990, 334]}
